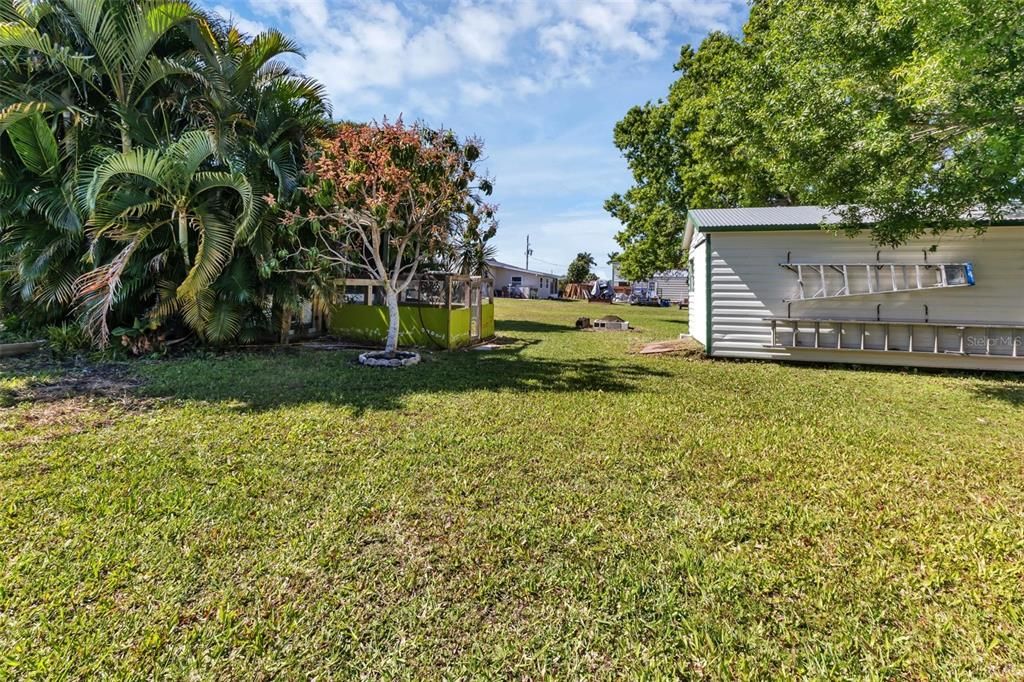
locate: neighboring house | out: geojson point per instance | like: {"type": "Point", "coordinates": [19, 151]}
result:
{"type": "Point", "coordinates": [510, 280]}
{"type": "Point", "coordinates": [769, 283]}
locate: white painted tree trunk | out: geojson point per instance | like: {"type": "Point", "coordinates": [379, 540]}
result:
{"type": "Point", "coordinates": [392, 298]}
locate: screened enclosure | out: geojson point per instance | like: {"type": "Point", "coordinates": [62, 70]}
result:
{"type": "Point", "coordinates": [437, 310]}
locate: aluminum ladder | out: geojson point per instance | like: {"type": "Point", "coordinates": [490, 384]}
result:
{"type": "Point", "coordinates": [816, 281]}
{"type": "Point", "coordinates": [994, 336]}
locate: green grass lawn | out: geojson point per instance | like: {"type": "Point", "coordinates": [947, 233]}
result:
{"type": "Point", "coordinates": [559, 508]}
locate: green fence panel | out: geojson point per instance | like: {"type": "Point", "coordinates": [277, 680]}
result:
{"type": "Point", "coordinates": [424, 326]}
{"type": "Point", "coordinates": [487, 320]}
{"type": "Point", "coordinates": [417, 325]}
{"type": "Point", "coordinates": [458, 328]}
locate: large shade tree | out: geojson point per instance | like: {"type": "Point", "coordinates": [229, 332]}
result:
{"type": "Point", "coordinates": [910, 113]}
{"type": "Point", "coordinates": [904, 112]}
{"type": "Point", "coordinates": [386, 198]}
{"type": "Point", "coordinates": [690, 149]}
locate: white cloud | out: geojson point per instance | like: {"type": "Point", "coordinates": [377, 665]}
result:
{"type": "Point", "coordinates": [312, 12]}
{"type": "Point", "coordinates": [524, 47]}
{"type": "Point", "coordinates": [560, 39]}
{"type": "Point", "coordinates": [431, 53]}
{"type": "Point", "coordinates": [524, 86]}
{"type": "Point", "coordinates": [480, 33]}
{"type": "Point", "coordinates": [478, 94]}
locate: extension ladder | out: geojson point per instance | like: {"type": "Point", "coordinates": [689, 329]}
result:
{"type": "Point", "coordinates": [817, 281]}
{"type": "Point", "coordinates": [995, 339]}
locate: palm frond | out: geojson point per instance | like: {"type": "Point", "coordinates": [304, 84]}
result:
{"type": "Point", "coordinates": [156, 70]}
{"type": "Point", "coordinates": [191, 150]}
{"type": "Point", "coordinates": [224, 323]}
{"type": "Point", "coordinates": [264, 47]}
{"type": "Point", "coordinates": [236, 182]}
{"type": "Point", "coordinates": [216, 242]}
{"type": "Point", "coordinates": [196, 309]}
{"type": "Point", "coordinates": [147, 25]}
{"type": "Point", "coordinates": [137, 163]}
{"type": "Point", "coordinates": [28, 37]}
{"type": "Point", "coordinates": [98, 290]}
{"type": "Point", "coordinates": [20, 111]}
{"type": "Point", "coordinates": [35, 144]}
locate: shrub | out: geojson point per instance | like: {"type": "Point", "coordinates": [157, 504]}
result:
{"type": "Point", "coordinates": [66, 339]}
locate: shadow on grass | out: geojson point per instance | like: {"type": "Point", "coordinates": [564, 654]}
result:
{"type": "Point", "coordinates": [1010, 393]}
{"type": "Point", "coordinates": [267, 381]}
{"type": "Point", "coordinates": [1007, 387]}
{"type": "Point", "coordinates": [531, 327]}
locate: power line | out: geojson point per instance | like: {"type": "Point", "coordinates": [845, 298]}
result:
{"type": "Point", "coordinates": [541, 260]}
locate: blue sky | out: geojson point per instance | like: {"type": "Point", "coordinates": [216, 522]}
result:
{"type": "Point", "coordinates": [541, 81]}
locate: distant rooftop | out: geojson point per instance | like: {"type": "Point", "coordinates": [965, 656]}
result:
{"type": "Point", "coordinates": [498, 264]}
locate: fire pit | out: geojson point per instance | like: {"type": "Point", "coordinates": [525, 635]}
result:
{"type": "Point", "coordinates": [611, 323]}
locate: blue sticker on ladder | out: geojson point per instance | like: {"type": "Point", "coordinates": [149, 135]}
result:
{"type": "Point", "coordinates": [969, 273]}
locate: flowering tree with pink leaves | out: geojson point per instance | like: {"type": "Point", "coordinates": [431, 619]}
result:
{"type": "Point", "coordinates": [384, 198]}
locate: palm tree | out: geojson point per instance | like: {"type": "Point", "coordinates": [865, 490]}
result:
{"type": "Point", "coordinates": [613, 260]}
{"type": "Point", "coordinates": [42, 218]}
{"type": "Point", "coordinates": [179, 190]}
{"type": "Point", "coordinates": [73, 75]}
{"type": "Point", "coordinates": [262, 113]}
{"type": "Point", "coordinates": [579, 268]}
{"type": "Point", "coordinates": [132, 134]}
{"type": "Point", "coordinates": [108, 46]}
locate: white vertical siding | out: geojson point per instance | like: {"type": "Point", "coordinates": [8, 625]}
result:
{"type": "Point", "coordinates": [747, 285]}
{"type": "Point", "coordinates": [675, 289]}
{"type": "Point", "coordinates": [698, 291]}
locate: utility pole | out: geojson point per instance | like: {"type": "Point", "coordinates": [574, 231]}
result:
{"type": "Point", "coordinates": [529, 252]}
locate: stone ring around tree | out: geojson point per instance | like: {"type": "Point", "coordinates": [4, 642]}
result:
{"type": "Point", "coordinates": [380, 358]}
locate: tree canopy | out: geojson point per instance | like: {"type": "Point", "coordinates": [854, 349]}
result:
{"type": "Point", "coordinates": [903, 112]}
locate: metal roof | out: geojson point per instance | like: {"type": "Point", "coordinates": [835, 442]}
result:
{"type": "Point", "coordinates": [766, 216]}
{"type": "Point", "coordinates": [498, 264]}
{"type": "Point", "coordinates": [797, 217]}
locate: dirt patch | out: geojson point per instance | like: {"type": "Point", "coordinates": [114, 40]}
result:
{"type": "Point", "coordinates": [686, 346]}
{"type": "Point", "coordinates": [76, 400]}
{"type": "Point", "coordinates": [101, 381]}
{"type": "Point", "coordinates": [59, 412]}
{"type": "Point", "coordinates": [47, 421]}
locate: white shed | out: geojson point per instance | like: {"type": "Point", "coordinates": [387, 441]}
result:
{"type": "Point", "coordinates": [512, 280]}
{"type": "Point", "coordinates": [673, 285]}
{"type": "Point", "coordinates": [769, 283]}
